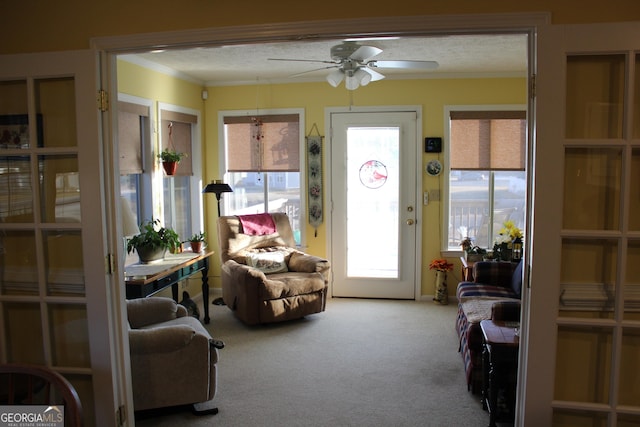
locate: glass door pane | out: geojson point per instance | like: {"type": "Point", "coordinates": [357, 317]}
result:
{"type": "Point", "coordinates": [372, 201]}
{"type": "Point", "coordinates": [595, 95]}
{"type": "Point", "coordinates": [55, 100]}
{"type": "Point", "coordinates": [592, 185]}
{"type": "Point", "coordinates": [598, 285]}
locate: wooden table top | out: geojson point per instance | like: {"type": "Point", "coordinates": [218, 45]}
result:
{"type": "Point", "coordinates": [140, 274]}
{"type": "Point", "coordinates": [497, 332]}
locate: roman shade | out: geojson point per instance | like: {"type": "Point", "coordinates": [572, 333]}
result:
{"type": "Point", "coordinates": [268, 143]}
{"type": "Point", "coordinates": [130, 132]}
{"type": "Point", "coordinates": [176, 136]}
{"type": "Point", "coordinates": [488, 140]}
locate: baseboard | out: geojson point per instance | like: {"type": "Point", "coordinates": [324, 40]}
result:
{"type": "Point", "coordinates": [425, 298]}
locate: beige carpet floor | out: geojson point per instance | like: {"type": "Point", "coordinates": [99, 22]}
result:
{"type": "Point", "coordinates": [360, 363]}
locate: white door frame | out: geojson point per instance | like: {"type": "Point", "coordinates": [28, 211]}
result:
{"type": "Point", "coordinates": [418, 184]}
{"type": "Point", "coordinates": [397, 26]}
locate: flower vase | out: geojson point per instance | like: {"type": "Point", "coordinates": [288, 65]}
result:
{"type": "Point", "coordinates": [440, 291]}
{"type": "Point", "coordinates": [504, 252]}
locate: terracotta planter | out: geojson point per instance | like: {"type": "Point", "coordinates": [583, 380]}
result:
{"type": "Point", "coordinates": [196, 246]}
{"type": "Point", "coordinates": [170, 167]}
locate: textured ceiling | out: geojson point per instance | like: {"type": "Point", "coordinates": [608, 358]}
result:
{"type": "Point", "coordinates": [457, 55]}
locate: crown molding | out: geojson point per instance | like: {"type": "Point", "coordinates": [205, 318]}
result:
{"type": "Point", "coordinates": [317, 30]}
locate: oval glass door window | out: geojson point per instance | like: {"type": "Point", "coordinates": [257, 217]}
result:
{"type": "Point", "coordinates": [373, 174]}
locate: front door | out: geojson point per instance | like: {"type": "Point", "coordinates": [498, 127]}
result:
{"type": "Point", "coordinates": [373, 217]}
{"type": "Point", "coordinates": [583, 340]}
{"type": "Point", "coordinates": [54, 284]}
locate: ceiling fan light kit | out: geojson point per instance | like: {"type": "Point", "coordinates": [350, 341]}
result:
{"type": "Point", "coordinates": [353, 64]}
{"type": "Point", "coordinates": [335, 77]}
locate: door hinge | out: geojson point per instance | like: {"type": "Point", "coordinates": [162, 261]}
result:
{"type": "Point", "coordinates": [121, 415]}
{"type": "Point", "coordinates": [532, 87]}
{"type": "Point", "coordinates": [109, 264]}
{"type": "Point", "coordinates": [103, 100]}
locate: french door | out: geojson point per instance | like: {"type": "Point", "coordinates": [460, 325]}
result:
{"type": "Point", "coordinates": [583, 334]}
{"type": "Point", "coordinates": [373, 218]}
{"type": "Point", "coordinates": [54, 286]}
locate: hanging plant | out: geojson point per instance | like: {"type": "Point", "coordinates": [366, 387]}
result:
{"type": "Point", "coordinates": [169, 157]}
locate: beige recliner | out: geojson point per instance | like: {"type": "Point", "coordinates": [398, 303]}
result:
{"type": "Point", "coordinates": [265, 279]}
{"type": "Point", "coordinates": [173, 357]}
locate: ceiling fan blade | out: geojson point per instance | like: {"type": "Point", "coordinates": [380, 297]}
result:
{"type": "Point", "coordinates": [375, 76]}
{"type": "Point", "coordinates": [303, 60]}
{"type": "Point", "coordinates": [311, 71]}
{"type": "Point", "coordinates": [365, 52]}
{"type": "Point", "coordinates": [416, 65]}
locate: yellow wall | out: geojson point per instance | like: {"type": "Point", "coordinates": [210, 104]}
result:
{"type": "Point", "coordinates": [134, 80]}
{"type": "Point", "coordinates": [36, 25]}
{"type": "Point", "coordinates": [431, 95]}
{"type": "Point", "coordinates": [161, 88]}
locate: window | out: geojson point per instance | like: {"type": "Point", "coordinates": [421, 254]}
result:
{"type": "Point", "coordinates": [145, 189]}
{"type": "Point", "coordinates": [133, 136]}
{"type": "Point", "coordinates": [263, 165]}
{"type": "Point", "coordinates": [487, 178]}
{"type": "Point", "coordinates": [181, 192]}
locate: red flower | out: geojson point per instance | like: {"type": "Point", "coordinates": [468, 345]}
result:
{"type": "Point", "coordinates": [440, 264]}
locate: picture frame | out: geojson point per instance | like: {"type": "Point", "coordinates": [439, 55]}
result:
{"type": "Point", "coordinates": [14, 131]}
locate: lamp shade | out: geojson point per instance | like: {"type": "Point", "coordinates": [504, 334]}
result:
{"type": "Point", "coordinates": [335, 77]}
{"type": "Point", "coordinates": [362, 76]}
{"type": "Point", "coordinates": [129, 226]}
{"type": "Point", "coordinates": [218, 187]}
{"type": "Point", "coordinates": [351, 83]}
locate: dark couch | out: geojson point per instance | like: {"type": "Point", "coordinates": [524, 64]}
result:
{"type": "Point", "coordinates": [494, 282]}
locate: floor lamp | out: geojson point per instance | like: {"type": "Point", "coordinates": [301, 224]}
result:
{"type": "Point", "coordinates": [217, 187]}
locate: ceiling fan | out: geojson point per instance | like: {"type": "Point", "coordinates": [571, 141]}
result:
{"type": "Point", "coordinates": [354, 64]}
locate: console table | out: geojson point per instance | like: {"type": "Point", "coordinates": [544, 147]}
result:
{"type": "Point", "coordinates": [143, 280]}
{"type": "Point", "coordinates": [499, 366]}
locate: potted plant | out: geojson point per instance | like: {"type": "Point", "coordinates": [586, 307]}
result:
{"type": "Point", "coordinates": [170, 160]}
{"type": "Point", "coordinates": [503, 245]}
{"type": "Point", "coordinates": [197, 241]}
{"type": "Point", "coordinates": [152, 242]}
{"type": "Point", "coordinates": [472, 253]}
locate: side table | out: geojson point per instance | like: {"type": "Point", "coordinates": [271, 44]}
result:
{"type": "Point", "coordinates": [467, 269]}
{"type": "Point", "coordinates": [499, 367]}
{"type": "Point", "coordinates": [143, 280]}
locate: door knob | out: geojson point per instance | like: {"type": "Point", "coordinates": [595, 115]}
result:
{"type": "Point", "coordinates": [410, 222]}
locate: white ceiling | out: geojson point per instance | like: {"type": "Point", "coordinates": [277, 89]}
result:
{"type": "Point", "coordinates": [502, 55]}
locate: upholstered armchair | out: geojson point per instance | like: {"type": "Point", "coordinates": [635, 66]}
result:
{"type": "Point", "coordinates": [265, 279]}
{"type": "Point", "coordinates": [173, 357]}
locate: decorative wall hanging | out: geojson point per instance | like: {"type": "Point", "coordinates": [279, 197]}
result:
{"type": "Point", "coordinates": [434, 167]}
{"type": "Point", "coordinates": [314, 179]}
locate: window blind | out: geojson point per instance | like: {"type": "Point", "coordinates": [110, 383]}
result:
{"type": "Point", "coordinates": [488, 140]}
{"type": "Point", "coordinates": [180, 138]}
{"type": "Point", "coordinates": [269, 143]}
{"type": "Point", "coordinates": [130, 137]}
